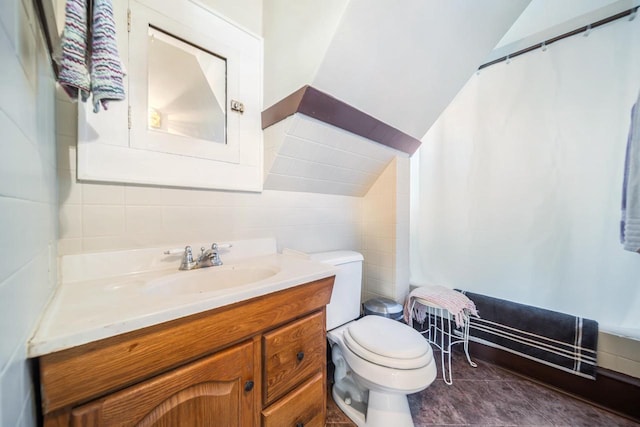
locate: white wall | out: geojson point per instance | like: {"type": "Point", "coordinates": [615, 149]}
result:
{"type": "Point", "coordinates": [385, 235]}
{"type": "Point", "coordinates": [28, 207]}
{"type": "Point", "coordinates": [297, 34]}
{"type": "Point", "coordinates": [376, 56]}
{"type": "Point", "coordinates": [520, 179]}
{"type": "Point", "coordinates": [541, 14]}
{"type": "Point", "coordinates": [96, 217]}
{"type": "Point", "coordinates": [404, 63]}
{"type": "Point", "coordinates": [245, 13]}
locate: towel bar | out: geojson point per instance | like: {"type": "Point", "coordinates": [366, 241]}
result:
{"type": "Point", "coordinates": [440, 330]}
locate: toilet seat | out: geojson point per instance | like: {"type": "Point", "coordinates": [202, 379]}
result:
{"type": "Point", "coordinates": [387, 343]}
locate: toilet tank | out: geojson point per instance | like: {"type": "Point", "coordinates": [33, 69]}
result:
{"type": "Point", "coordinates": [347, 288]}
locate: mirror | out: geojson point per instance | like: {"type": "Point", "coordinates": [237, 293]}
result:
{"type": "Point", "coordinates": [186, 89]}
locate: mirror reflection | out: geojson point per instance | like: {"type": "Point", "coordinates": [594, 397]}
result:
{"type": "Point", "coordinates": [187, 89]}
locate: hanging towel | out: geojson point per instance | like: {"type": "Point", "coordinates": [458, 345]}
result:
{"type": "Point", "coordinates": [106, 69]}
{"type": "Point", "coordinates": [74, 73]}
{"type": "Point", "coordinates": [459, 305]}
{"type": "Point", "coordinates": [630, 222]}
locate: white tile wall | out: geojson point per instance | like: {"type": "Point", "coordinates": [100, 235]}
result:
{"type": "Point", "coordinates": [403, 168]}
{"type": "Point", "coordinates": [385, 234]}
{"type": "Point", "coordinates": [378, 237]}
{"type": "Point", "coordinates": [102, 220]}
{"type": "Point", "coordinates": [104, 216]}
{"type": "Point", "coordinates": [28, 201]}
{"type": "Point", "coordinates": [304, 154]}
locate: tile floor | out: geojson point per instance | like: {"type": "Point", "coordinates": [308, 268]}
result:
{"type": "Point", "coordinates": [491, 396]}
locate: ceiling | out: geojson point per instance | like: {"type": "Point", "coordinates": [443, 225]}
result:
{"type": "Point", "coordinates": [401, 65]}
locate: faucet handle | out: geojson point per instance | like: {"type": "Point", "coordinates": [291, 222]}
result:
{"type": "Point", "coordinates": [188, 254]}
{"type": "Point", "coordinates": [175, 251]}
{"type": "Point", "coordinates": [215, 246]}
{"type": "Point", "coordinates": [187, 259]}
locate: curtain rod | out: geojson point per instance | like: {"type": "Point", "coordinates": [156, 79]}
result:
{"type": "Point", "coordinates": [545, 43]}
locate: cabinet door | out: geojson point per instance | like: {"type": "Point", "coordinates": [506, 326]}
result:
{"type": "Point", "coordinates": [214, 391]}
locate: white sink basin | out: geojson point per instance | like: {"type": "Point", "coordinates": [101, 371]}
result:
{"type": "Point", "coordinates": [109, 293]}
{"type": "Point", "coordinates": [208, 279]}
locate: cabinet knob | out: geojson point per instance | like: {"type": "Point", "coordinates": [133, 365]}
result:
{"type": "Point", "coordinates": [248, 386]}
{"type": "Point", "coordinates": [300, 356]}
{"type": "Point", "coordinates": [299, 424]}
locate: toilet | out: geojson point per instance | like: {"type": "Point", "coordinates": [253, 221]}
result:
{"type": "Point", "coordinates": [378, 361]}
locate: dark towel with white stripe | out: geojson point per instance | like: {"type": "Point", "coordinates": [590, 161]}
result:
{"type": "Point", "coordinates": [556, 339]}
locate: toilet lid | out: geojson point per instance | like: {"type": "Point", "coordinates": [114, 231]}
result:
{"type": "Point", "coordinates": [388, 343]}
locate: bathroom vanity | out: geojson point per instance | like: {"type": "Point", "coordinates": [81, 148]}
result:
{"type": "Point", "coordinates": [255, 361]}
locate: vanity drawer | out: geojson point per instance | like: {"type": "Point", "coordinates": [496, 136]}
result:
{"type": "Point", "coordinates": [292, 354]}
{"type": "Point", "coordinates": [303, 407]}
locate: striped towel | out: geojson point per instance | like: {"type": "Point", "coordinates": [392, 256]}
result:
{"type": "Point", "coordinates": [74, 73]}
{"type": "Point", "coordinates": [106, 69]}
{"type": "Point", "coordinates": [459, 305]}
{"type": "Point", "coordinates": [559, 340]}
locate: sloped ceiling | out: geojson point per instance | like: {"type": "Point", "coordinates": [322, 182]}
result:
{"type": "Point", "coordinates": [405, 63]}
{"type": "Point", "coordinates": [399, 62]}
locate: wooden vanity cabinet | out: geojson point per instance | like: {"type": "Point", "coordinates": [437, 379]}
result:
{"type": "Point", "coordinates": [258, 362]}
{"type": "Point", "coordinates": [209, 392]}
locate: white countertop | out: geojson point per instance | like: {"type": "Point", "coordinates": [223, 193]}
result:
{"type": "Point", "coordinates": [84, 311]}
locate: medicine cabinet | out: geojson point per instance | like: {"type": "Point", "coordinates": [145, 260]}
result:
{"type": "Point", "coordinates": [194, 98]}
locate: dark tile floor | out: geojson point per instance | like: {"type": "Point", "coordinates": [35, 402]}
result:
{"type": "Point", "coordinates": [490, 396]}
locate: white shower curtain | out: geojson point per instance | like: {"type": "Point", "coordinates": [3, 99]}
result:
{"type": "Point", "coordinates": [516, 188]}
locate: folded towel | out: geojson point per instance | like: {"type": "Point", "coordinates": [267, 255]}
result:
{"type": "Point", "coordinates": [106, 69]}
{"type": "Point", "coordinates": [74, 73]}
{"type": "Point", "coordinates": [459, 305]}
{"type": "Point", "coordinates": [630, 222]}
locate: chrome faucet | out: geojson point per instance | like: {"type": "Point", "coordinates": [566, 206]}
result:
{"type": "Point", "coordinates": [207, 258]}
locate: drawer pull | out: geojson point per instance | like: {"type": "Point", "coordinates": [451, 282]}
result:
{"type": "Point", "coordinates": [248, 386]}
{"type": "Point", "coordinates": [299, 424]}
{"type": "Point", "coordinates": [300, 356]}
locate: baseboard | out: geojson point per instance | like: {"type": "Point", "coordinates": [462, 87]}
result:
{"type": "Point", "coordinates": [611, 390]}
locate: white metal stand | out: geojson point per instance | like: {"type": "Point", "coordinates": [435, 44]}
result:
{"type": "Point", "coordinates": [440, 330]}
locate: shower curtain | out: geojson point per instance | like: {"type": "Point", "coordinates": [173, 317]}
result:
{"type": "Point", "coordinates": [516, 188]}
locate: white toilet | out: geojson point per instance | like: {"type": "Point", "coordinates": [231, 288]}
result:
{"type": "Point", "coordinates": [378, 361]}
